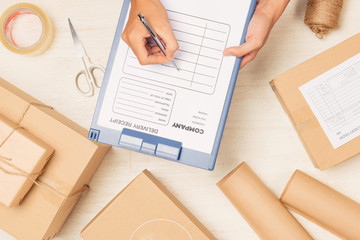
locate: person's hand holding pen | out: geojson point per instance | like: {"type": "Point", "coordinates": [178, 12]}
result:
{"type": "Point", "coordinates": [266, 14]}
{"type": "Point", "coordinates": [136, 35]}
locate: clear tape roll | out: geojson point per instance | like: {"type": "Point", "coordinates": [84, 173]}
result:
{"type": "Point", "coordinates": [11, 14]}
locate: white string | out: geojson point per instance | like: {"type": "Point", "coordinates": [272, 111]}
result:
{"type": "Point", "coordinates": [154, 220]}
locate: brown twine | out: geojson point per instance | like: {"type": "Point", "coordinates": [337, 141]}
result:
{"type": "Point", "coordinates": [19, 172]}
{"type": "Point", "coordinates": [322, 15]}
{"type": "Point", "coordinates": [28, 107]}
{"type": "Point", "coordinates": [22, 117]}
{"type": "Point", "coordinates": [7, 138]}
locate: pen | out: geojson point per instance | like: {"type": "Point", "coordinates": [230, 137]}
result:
{"type": "Point", "coordinates": [155, 37]}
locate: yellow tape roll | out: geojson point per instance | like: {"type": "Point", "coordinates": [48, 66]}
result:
{"type": "Point", "coordinates": [13, 13]}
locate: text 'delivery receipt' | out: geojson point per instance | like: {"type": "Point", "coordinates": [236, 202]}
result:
{"type": "Point", "coordinates": [334, 98]}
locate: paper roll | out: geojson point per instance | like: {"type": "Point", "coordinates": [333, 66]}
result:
{"type": "Point", "coordinates": [259, 206]}
{"type": "Point", "coordinates": [322, 205]}
{"type": "Point", "coordinates": [45, 39]}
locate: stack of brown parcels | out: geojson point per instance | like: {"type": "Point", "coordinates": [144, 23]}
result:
{"type": "Point", "coordinates": [48, 204]}
{"type": "Point", "coordinates": [22, 159]}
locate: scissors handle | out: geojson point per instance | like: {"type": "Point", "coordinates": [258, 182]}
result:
{"type": "Point", "coordinates": [88, 73]}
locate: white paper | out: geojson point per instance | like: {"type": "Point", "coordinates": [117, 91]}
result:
{"type": "Point", "coordinates": [199, 58]}
{"type": "Point", "coordinates": [183, 106]}
{"type": "Point", "coordinates": [334, 98]}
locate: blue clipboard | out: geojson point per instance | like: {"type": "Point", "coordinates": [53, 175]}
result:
{"type": "Point", "coordinates": [151, 144]}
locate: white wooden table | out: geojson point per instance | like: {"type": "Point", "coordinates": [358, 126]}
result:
{"type": "Point", "coordinates": [257, 131]}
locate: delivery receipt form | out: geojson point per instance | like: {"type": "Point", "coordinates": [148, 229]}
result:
{"type": "Point", "coordinates": [184, 105]}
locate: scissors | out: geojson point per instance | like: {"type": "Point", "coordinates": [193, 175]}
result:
{"type": "Point", "coordinates": [88, 70]}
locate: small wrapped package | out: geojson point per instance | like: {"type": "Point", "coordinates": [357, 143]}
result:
{"type": "Point", "coordinates": [259, 206]}
{"type": "Point", "coordinates": [145, 210]}
{"type": "Point", "coordinates": [22, 158]}
{"type": "Point", "coordinates": [322, 205]}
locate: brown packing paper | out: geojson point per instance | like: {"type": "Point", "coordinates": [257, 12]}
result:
{"type": "Point", "coordinates": [22, 159]}
{"type": "Point", "coordinates": [259, 206]}
{"type": "Point", "coordinates": [145, 210]}
{"type": "Point", "coordinates": [286, 87]}
{"type": "Point", "coordinates": [74, 162]}
{"type": "Point", "coordinates": [323, 205]}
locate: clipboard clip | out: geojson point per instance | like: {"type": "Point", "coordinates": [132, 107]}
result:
{"type": "Point", "coordinates": [150, 144]}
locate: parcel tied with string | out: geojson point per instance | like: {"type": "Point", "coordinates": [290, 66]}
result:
{"type": "Point", "coordinates": [22, 159]}
{"type": "Point", "coordinates": [50, 201]}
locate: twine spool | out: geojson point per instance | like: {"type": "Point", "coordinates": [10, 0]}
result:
{"type": "Point", "coordinates": [322, 15]}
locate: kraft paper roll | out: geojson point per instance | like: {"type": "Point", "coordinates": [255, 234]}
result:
{"type": "Point", "coordinates": [322, 205]}
{"type": "Point", "coordinates": [17, 11]}
{"type": "Point", "coordinates": [259, 206]}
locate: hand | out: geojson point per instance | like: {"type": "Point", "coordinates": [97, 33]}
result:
{"type": "Point", "coordinates": [135, 34]}
{"type": "Point", "coordinates": [265, 16]}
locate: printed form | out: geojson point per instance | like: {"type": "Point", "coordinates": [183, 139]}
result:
{"type": "Point", "coordinates": [334, 98]}
{"type": "Point", "coordinates": [184, 105]}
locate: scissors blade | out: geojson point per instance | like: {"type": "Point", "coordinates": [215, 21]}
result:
{"type": "Point", "coordinates": [77, 42]}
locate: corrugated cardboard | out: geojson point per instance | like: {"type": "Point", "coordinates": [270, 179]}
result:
{"type": "Point", "coordinates": [259, 206]}
{"type": "Point", "coordinates": [44, 211]}
{"type": "Point", "coordinates": [323, 205]}
{"type": "Point", "coordinates": [26, 154]}
{"type": "Point", "coordinates": [145, 210]}
{"type": "Point", "coordinates": [286, 87]}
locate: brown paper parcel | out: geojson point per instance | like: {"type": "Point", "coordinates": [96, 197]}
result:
{"type": "Point", "coordinates": [313, 137]}
{"type": "Point", "coordinates": [259, 206]}
{"type": "Point", "coordinates": [22, 159]}
{"type": "Point", "coordinates": [48, 204]}
{"type": "Point", "coordinates": [323, 205]}
{"type": "Point", "coordinates": [145, 209]}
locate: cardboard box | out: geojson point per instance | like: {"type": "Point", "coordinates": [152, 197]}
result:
{"type": "Point", "coordinates": [145, 210]}
{"type": "Point", "coordinates": [312, 135]}
{"type": "Point", "coordinates": [48, 204]}
{"type": "Point", "coordinates": [24, 157]}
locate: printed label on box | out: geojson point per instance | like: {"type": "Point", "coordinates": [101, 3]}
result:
{"type": "Point", "coordinates": [334, 98]}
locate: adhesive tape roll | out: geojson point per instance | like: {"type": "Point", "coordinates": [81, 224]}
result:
{"type": "Point", "coordinates": [26, 29]}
